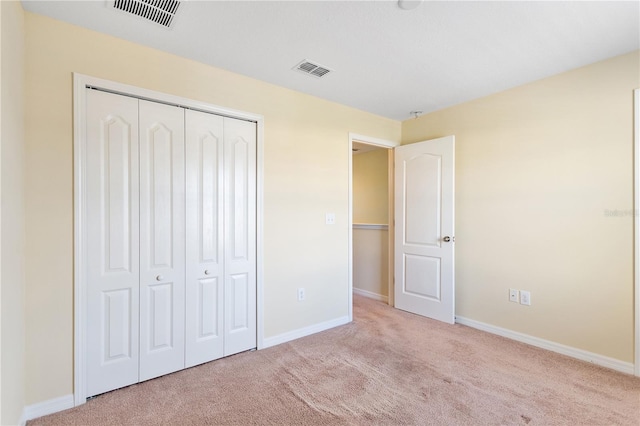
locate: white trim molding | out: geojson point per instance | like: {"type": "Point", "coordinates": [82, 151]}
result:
{"type": "Point", "coordinates": [260, 232]}
{"type": "Point", "coordinates": [601, 360]}
{"type": "Point", "coordinates": [382, 143]}
{"type": "Point", "coordinates": [636, 223]}
{"type": "Point", "coordinates": [46, 407]}
{"type": "Point", "coordinates": [80, 84]}
{"type": "Point", "coordinates": [371, 295]}
{"type": "Point", "coordinates": [368, 140]}
{"type": "Point", "coordinates": [305, 331]}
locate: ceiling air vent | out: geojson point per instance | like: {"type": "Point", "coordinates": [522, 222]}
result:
{"type": "Point", "coordinates": [310, 68]}
{"type": "Point", "coordinates": [159, 11]}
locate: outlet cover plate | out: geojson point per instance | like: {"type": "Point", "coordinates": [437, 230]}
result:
{"type": "Point", "coordinates": [330, 218]}
{"type": "Point", "coordinates": [514, 295]}
{"type": "Point", "coordinates": [525, 298]}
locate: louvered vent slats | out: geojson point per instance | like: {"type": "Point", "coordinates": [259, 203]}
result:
{"type": "Point", "coordinates": [159, 11]}
{"type": "Point", "coordinates": [312, 69]}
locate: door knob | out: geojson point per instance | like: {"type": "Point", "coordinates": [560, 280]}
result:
{"type": "Point", "coordinates": [206, 272]}
{"type": "Point", "coordinates": [446, 239]}
{"type": "Point", "coordinates": [159, 278]}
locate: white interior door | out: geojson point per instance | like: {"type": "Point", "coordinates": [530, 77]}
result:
{"type": "Point", "coordinates": [205, 237]}
{"type": "Point", "coordinates": [162, 239]}
{"type": "Point", "coordinates": [424, 231]}
{"type": "Point", "coordinates": [240, 235]}
{"type": "Point", "coordinates": [112, 260]}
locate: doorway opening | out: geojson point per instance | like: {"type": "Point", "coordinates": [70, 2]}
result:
{"type": "Point", "coordinates": [370, 218]}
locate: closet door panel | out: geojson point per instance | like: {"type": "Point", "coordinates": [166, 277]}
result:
{"type": "Point", "coordinates": [240, 235]}
{"type": "Point", "coordinates": [205, 237]}
{"type": "Point", "coordinates": [162, 239]}
{"type": "Point", "coordinates": [112, 241]}
{"type": "Point", "coordinates": [239, 287]}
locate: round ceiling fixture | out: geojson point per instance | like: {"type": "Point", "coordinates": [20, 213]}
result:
{"type": "Point", "coordinates": [409, 4]}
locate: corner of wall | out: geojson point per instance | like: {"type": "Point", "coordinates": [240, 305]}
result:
{"type": "Point", "coordinates": [12, 224]}
{"type": "Point", "coordinates": [568, 122]}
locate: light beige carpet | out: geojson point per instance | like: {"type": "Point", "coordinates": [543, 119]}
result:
{"type": "Point", "coordinates": [387, 367]}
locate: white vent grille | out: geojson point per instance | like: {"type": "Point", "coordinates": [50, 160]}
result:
{"type": "Point", "coordinates": [159, 11]}
{"type": "Point", "coordinates": [312, 69]}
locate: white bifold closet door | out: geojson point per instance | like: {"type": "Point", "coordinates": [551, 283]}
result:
{"type": "Point", "coordinates": [240, 236]}
{"type": "Point", "coordinates": [221, 243]}
{"type": "Point", "coordinates": [112, 242]}
{"type": "Point", "coordinates": [205, 237]}
{"type": "Point", "coordinates": [171, 239]}
{"type": "Point", "coordinates": [162, 239]}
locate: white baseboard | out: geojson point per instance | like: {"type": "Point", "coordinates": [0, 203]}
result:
{"type": "Point", "coordinates": [601, 360]}
{"type": "Point", "coordinates": [302, 332]}
{"type": "Point", "coordinates": [46, 407]}
{"type": "Point", "coordinates": [371, 295]}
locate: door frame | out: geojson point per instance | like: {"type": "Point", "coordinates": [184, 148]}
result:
{"type": "Point", "coordinates": [636, 224]}
{"type": "Point", "coordinates": [80, 84]}
{"type": "Point", "coordinates": [389, 145]}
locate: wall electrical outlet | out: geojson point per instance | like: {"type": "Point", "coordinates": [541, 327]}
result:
{"type": "Point", "coordinates": [514, 295]}
{"type": "Point", "coordinates": [330, 219]}
{"type": "Point", "coordinates": [525, 298]}
{"type": "Point", "coordinates": [300, 294]}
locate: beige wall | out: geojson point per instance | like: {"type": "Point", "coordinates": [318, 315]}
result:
{"type": "Point", "coordinates": [537, 169]}
{"type": "Point", "coordinates": [371, 261]}
{"type": "Point", "coordinates": [371, 187]}
{"type": "Point", "coordinates": [305, 167]}
{"type": "Point", "coordinates": [12, 226]}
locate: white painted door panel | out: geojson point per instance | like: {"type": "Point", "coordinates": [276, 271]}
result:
{"type": "Point", "coordinates": [171, 239]}
{"type": "Point", "coordinates": [424, 232]}
{"type": "Point", "coordinates": [112, 241]}
{"type": "Point", "coordinates": [205, 237]}
{"type": "Point", "coordinates": [240, 235]}
{"type": "Point", "coordinates": [162, 239]}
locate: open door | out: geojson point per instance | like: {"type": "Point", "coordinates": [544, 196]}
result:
{"type": "Point", "coordinates": [424, 228]}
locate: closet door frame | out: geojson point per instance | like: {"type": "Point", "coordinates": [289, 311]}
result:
{"type": "Point", "coordinates": [80, 85]}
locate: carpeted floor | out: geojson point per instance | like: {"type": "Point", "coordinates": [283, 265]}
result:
{"type": "Point", "coordinates": [388, 367]}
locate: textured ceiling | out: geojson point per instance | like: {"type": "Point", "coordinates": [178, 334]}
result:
{"type": "Point", "coordinates": [384, 59]}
